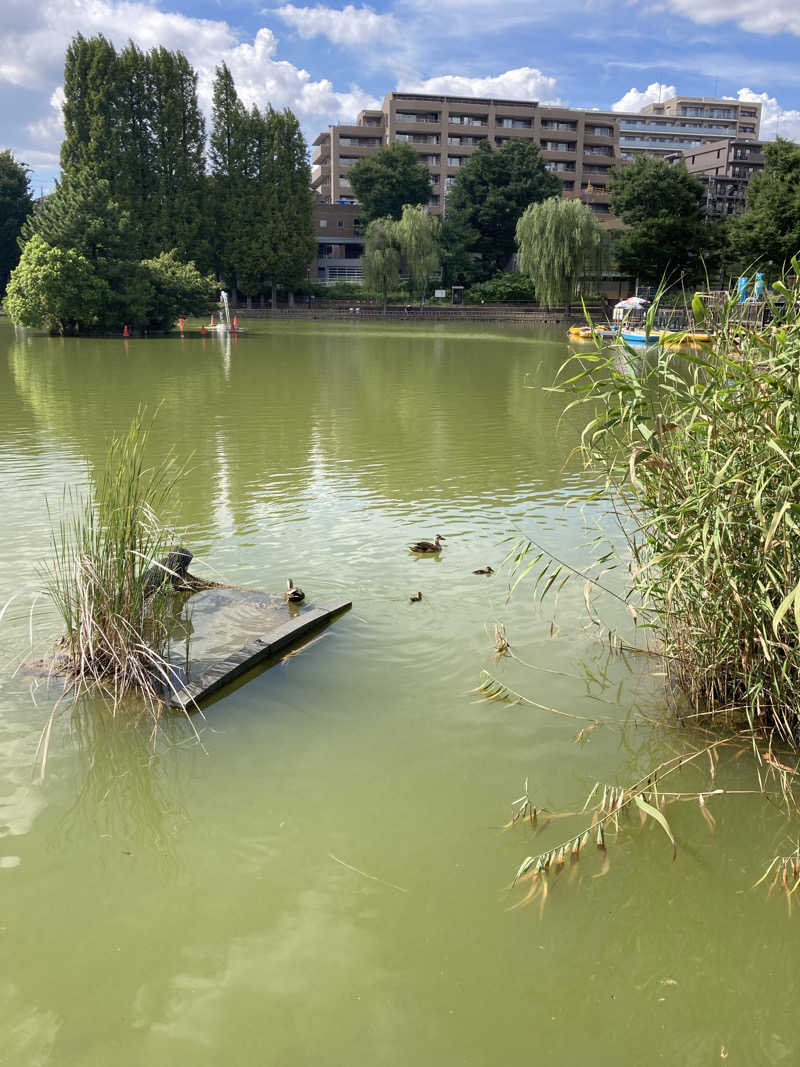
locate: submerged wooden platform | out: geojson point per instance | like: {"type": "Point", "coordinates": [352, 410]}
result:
{"type": "Point", "coordinates": [222, 672]}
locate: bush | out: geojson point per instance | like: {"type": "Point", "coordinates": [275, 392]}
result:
{"type": "Point", "coordinates": [701, 450]}
{"type": "Point", "coordinates": [506, 288]}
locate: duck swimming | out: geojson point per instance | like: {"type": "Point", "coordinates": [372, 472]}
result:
{"type": "Point", "coordinates": [428, 546]}
{"type": "Point", "coordinates": [415, 598]}
{"type": "Point", "coordinates": [484, 570]}
{"type": "Point", "coordinates": [293, 595]}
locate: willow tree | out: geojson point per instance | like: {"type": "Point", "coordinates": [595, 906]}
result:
{"type": "Point", "coordinates": [417, 234]}
{"type": "Point", "coordinates": [560, 245]}
{"type": "Point", "coordinates": [381, 263]}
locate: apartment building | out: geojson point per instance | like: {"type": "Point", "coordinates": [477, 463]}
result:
{"type": "Point", "coordinates": [685, 122]}
{"type": "Point", "coordinates": [340, 244]}
{"type": "Point", "coordinates": [578, 146]}
{"type": "Point", "coordinates": [725, 167]}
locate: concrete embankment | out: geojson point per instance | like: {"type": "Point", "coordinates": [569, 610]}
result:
{"type": "Point", "coordinates": [508, 315]}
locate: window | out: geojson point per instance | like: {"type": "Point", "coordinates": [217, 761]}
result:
{"type": "Point", "coordinates": [558, 124]}
{"type": "Point", "coordinates": [517, 124]}
{"type": "Point", "coordinates": [558, 146]}
{"type": "Point", "coordinates": [601, 131]}
{"type": "Point", "coordinates": [340, 223]}
{"type": "Point", "coordinates": [323, 223]}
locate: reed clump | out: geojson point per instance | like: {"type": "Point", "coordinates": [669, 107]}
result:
{"type": "Point", "coordinates": [115, 616]}
{"type": "Point", "coordinates": [700, 447]}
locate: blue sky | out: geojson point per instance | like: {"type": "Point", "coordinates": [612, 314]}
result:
{"type": "Point", "coordinates": [326, 61]}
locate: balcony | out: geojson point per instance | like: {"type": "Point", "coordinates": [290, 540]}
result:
{"type": "Point", "coordinates": [410, 116]}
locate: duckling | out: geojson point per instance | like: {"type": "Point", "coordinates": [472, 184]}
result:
{"type": "Point", "coordinates": [293, 595]}
{"type": "Point", "coordinates": [428, 546]}
{"type": "Point", "coordinates": [484, 570]}
{"type": "Point", "coordinates": [415, 598]}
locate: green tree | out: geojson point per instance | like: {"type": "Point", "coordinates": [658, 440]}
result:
{"type": "Point", "coordinates": [230, 157]}
{"type": "Point", "coordinates": [490, 193]}
{"type": "Point", "coordinates": [177, 288]}
{"type": "Point", "coordinates": [82, 215]}
{"type": "Point", "coordinates": [418, 235]}
{"type": "Point", "coordinates": [293, 223]}
{"type": "Point", "coordinates": [15, 206]}
{"type": "Point", "coordinates": [386, 182]}
{"type": "Point", "coordinates": [91, 90]}
{"type": "Point", "coordinates": [56, 288]}
{"type": "Point", "coordinates": [560, 245]}
{"type": "Point", "coordinates": [768, 232]}
{"type": "Point", "coordinates": [178, 139]}
{"type": "Point", "coordinates": [132, 119]}
{"type": "Point", "coordinates": [381, 262]}
{"type": "Point", "coordinates": [662, 207]}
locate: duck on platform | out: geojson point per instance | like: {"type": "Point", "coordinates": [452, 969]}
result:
{"type": "Point", "coordinates": [293, 595]}
{"type": "Point", "coordinates": [484, 570]}
{"type": "Point", "coordinates": [428, 546]}
{"type": "Point", "coordinates": [415, 598]}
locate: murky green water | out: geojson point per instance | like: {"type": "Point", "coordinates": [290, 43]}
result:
{"type": "Point", "coordinates": [183, 906]}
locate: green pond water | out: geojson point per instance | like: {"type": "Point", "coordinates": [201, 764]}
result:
{"type": "Point", "coordinates": [197, 903]}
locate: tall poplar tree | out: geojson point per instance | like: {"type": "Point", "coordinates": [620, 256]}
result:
{"type": "Point", "coordinates": [260, 182]}
{"type": "Point", "coordinates": [179, 134]}
{"type": "Point", "coordinates": [293, 227]}
{"type": "Point", "coordinates": [228, 156]}
{"type": "Point", "coordinates": [91, 87]}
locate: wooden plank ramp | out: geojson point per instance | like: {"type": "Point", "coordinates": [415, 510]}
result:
{"type": "Point", "coordinates": [226, 670]}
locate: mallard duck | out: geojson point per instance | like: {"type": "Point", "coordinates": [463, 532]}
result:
{"type": "Point", "coordinates": [415, 598]}
{"type": "Point", "coordinates": [484, 570]}
{"type": "Point", "coordinates": [429, 546]}
{"type": "Point", "coordinates": [293, 595]}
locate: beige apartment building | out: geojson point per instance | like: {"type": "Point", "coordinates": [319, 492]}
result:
{"type": "Point", "coordinates": [725, 167]}
{"type": "Point", "coordinates": [579, 146]}
{"type": "Point", "coordinates": [685, 122]}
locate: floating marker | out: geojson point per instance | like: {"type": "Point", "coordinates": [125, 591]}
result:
{"type": "Point", "coordinates": [126, 332]}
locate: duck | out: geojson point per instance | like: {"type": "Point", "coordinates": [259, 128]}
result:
{"type": "Point", "coordinates": [293, 595]}
{"type": "Point", "coordinates": [415, 598]}
{"type": "Point", "coordinates": [429, 546]}
{"type": "Point", "coordinates": [484, 570]}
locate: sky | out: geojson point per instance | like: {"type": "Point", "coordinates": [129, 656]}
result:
{"type": "Point", "coordinates": [327, 61]}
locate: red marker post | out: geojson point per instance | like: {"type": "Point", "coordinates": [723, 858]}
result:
{"type": "Point", "coordinates": [126, 332]}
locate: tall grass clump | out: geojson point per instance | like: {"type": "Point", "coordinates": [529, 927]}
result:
{"type": "Point", "coordinates": [700, 447]}
{"type": "Point", "coordinates": [115, 620]}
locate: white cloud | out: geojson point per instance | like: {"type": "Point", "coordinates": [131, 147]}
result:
{"type": "Point", "coordinates": [34, 42]}
{"type": "Point", "coordinates": [524, 83]}
{"type": "Point", "coordinates": [778, 16]}
{"type": "Point", "coordinates": [635, 99]}
{"type": "Point", "coordinates": [46, 133]}
{"type": "Point", "coordinates": [775, 120]}
{"type": "Point", "coordinates": [261, 79]}
{"type": "Point", "coordinates": [350, 26]}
